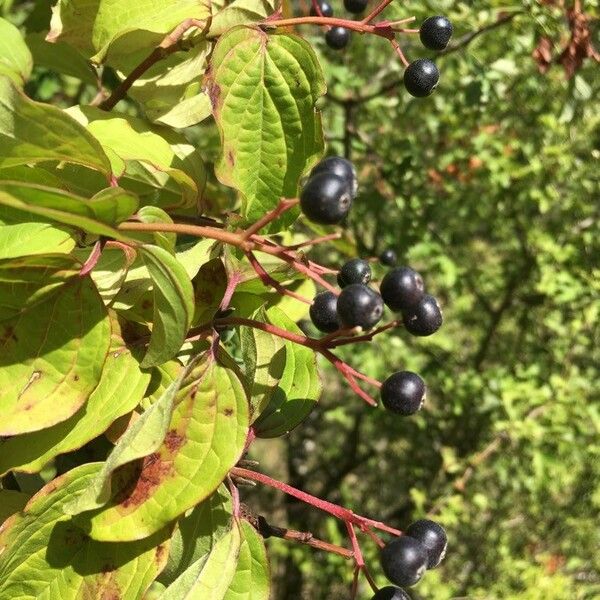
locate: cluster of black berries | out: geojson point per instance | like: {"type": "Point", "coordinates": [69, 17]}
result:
{"type": "Point", "coordinates": [406, 558]}
{"type": "Point", "coordinates": [337, 38]}
{"type": "Point", "coordinates": [327, 198]}
{"type": "Point", "coordinates": [421, 76]}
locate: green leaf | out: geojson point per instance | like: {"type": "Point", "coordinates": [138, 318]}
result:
{"type": "Point", "coordinates": [197, 533]}
{"type": "Point", "coordinates": [227, 15]}
{"type": "Point", "coordinates": [44, 555]}
{"type": "Point", "coordinates": [252, 578]}
{"type": "Point", "coordinates": [147, 155]}
{"type": "Point", "coordinates": [153, 214]}
{"type": "Point", "coordinates": [209, 287]}
{"type": "Point", "coordinates": [121, 388]}
{"type": "Point", "coordinates": [264, 357]}
{"type": "Point", "coordinates": [96, 26]}
{"type": "Point", "coordinates": [205, 438]}
{"type": "Point", "coordinates": [171, 93]}
{"type": "Point", "coordinates": [210, 576]}
{"type": "Point", "coordinates": [32, 132]}
{"type": "Point", "coordinates": [110, 271]}
{"type": "Point", "coordinates": [299, 388]}
{"type": "Point", "coordinates": [15, 58]}
{"type": "Point", "coordinates": [141, 439]}
{"type": "Point", "coordinates": [263, 89]}
{"type": "Point", "coordinates": [173, 304]}
{"type": "Point", "coordinates": [55, 335]}
{"type": "Point", "coordinates": [60, 58]}
{"type": "Point", "coordinates": [11, 502]}
{"type": "Point", "coordinates": [94, 216]}
{"type": "Point", "coordinates": [27, 239]}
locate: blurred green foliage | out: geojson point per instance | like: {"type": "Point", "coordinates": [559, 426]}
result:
{"type": "Point", "coordinates": [491, 188]}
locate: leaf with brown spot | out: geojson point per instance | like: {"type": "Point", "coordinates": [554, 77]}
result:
{"type": "Point", "coordinates": [44, 555]}
{"type": "Point", "coordinates": [204, 438]}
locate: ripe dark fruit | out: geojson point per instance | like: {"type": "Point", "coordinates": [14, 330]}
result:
{"type": "Point", "coordinates": [342, 168]}
{"type": "Point", "coordinates": [388, 257]}
{"type": "Point", "coordinates": [435, 32]}
{"type": "Point", "coordinates": [356, 270]}
{"type": "Point", "coordinates": [326, 9]}
{"type": "Point", "coordinates": [391, 593]}
{"type": "Point", "coordinates": [355, 6]}
{"type": "Point", "coordinates": [421, 77]}
{"type": "Point", "coordinates": [424, 318]}
{"type": "Point", "coordinates": [337, 37]}
{"type": "Point", "coordinates": [402, 288]}
{"type": "Point", "coordinates": [323, 312]}
{"type": "Point", "coordinates": [433, 537]}
{"type": "Point", "coordinates": [404, 560]}
{"type": "Point", "coordinates": [325, 199]}
{"type": "Point", "coordinates": [359, 306]}
{"type": "Point", "coordinates": [403, 393]}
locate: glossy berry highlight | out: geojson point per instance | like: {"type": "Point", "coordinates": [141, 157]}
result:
{"type": "Point", "coordinates": [323, 312]}
{"type": "Point", "coordinates": [404, 560]}
{"type": "Point", "coordinates": [435, 32]}
{"type": "Point", "coordinates": [421, 77]}
{"type": "Point", "coordinates": [433, 536]}
{"type": "Point", "coordinates": [355, 270]}
{"type": "Point", "coordinates": [388, 257]}
{"type": "Point", "coordinates": [403, 393]}
{"type": "Point", "coordinates": [359, 306]}
{"type": "Point", "coordinates": [341, 167]}
{"type": "Point", "coordinates": [355, 6]}
{"type": "Point", "coordinates": [425, 318]}
{"type": "Point", "coordinates": [391, 592]}
{"type": "Point", "coordinates": [325, 199]}
{"type": "Point", "coordinates": [402, 288]}
{"type": "Point", "coordinates": [337, 38]}
{"type": "Point", "coordinates": [326, 9]}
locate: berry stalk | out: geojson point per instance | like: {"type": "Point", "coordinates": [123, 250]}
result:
{"type": "Point", "coordinates": [335, 510]}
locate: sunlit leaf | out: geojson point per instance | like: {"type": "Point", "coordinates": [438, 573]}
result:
{"type": "Point", "coordinates": [32, 132]}
{"type": "Point", "coordinates": [55, 337]}
{"type": "Point", "coordinates": [263, 89]}
{"type": "Point", "coordinates": [44, 555]}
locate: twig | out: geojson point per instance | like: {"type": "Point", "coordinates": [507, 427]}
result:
{"type": "Point", "coordinates": [169, 45]}
{"type": "Point", "coordinates": [284, 205]}
{"type": "Point", "coordinates": [337, 511]}
{"type": "Point", "coordinates": [269, 281]}
{"type": "Point", "coordinates": [303, 537]}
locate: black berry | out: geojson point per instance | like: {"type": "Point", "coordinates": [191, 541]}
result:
{"type": "Point", "coordinates": [388, 257]}
{"type": "Point", "coordinates": [355, 6]}
{"type": "Point", "coordinates": [337, 37]}
{"type": "Point", "coordinates": [421, 77]}
{"type": "Point", "coordinates": [323, 312]}
{"type": "Point", "coordinates": [404, 560]}
{"type": "Point", "coordinates": [342, 168]}
{"type": "Point", "coordinates": [435, 32]}
{"type": "Point", "coordinates": [433, 537]}
{"type": "Point", "coordinates": [325, 199]}
{"type": "Point", "coordinates": [402, 288]}
{"type": "Point", "coordinates": [391, 593]}
{"type": "Point", "coordinates": [326, 9]}
{"type": "Point", "coordinates": [403, 393]}
{"type": "Point", "coordinates": [359, 306]}
{"type": "Point", "coordinates": [424, 318]}
{"type": "Point", "coordinates": [355, 270]}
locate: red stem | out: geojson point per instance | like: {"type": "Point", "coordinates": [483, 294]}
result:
{"type": "Point", "coordinates": [284, 205]}
{"type": "Point", "coordinates": [382, 29]}
{"type": "Point", "coordinates": [269, 281]}
{"type": "Point", "coordinates": [378, 9]}
{"type": "Point", "coordinates": [329, 507]}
